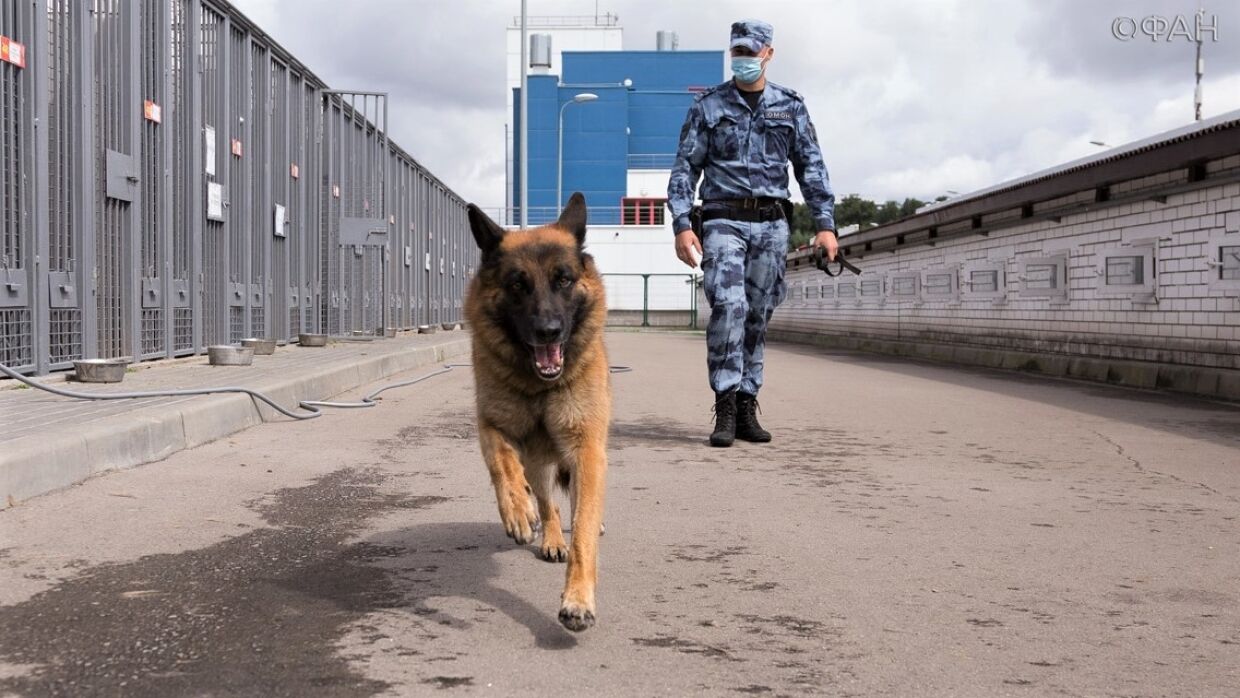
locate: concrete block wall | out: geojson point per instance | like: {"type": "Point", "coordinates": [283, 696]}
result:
{"type": "Point", "coordinates": [1188, 322]}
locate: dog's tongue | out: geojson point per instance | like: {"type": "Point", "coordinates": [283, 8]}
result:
{"type": "Point", "coordinates": [549, 357]}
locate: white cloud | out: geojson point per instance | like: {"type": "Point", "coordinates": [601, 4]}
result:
{"type": "Point", "coordinates": [960, 173]}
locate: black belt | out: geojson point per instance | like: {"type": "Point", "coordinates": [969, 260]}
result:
{"type": "Point", "coordinates": [820, 261]}
{"type": "Point", "coordinates": [755, 210]}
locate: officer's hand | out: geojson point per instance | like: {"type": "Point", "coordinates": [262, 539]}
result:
{"type": "Point", "coordinates": [826, 240]}
{"type": "Point", "coordinates": [686, 243]}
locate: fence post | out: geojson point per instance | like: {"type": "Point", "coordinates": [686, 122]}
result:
{"type": "Point", "coordinates": [645, 300]}
{"type": "Point", "coordinates": [693, 308]}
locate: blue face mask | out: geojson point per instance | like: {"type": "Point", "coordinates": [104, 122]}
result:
{"type": "Point", "coordinates": [747, 69]}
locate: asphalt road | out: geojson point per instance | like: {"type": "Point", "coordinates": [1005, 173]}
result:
{"type": "Point", "coordinates": [914, 529]}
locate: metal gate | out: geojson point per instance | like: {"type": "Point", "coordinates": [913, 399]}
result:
{"type": "Point", "coordinates": [118, 175]}
{"type": "Point", "coordinates": [214, 250]}
{"type": "Point", "coordinates": [183, 121]}
{"type": "Point", "coordinates": [356, 155]}
{"type": "Point", "coordinates": [17, 239]}
{"type": "Point", "coordinates": [154, 163]}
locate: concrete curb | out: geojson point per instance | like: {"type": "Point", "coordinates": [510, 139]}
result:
{"type": "Point", "coordinates": [1203, 381]}
{"type": "Point", "coordinates": [32, 466]}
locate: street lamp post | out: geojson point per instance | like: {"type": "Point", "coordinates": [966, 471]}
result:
{"type": "Point", "coordinates": [559, 153]}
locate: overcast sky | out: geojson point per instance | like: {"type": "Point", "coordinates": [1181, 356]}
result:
{"type": "Point", "coordinates": [910, 98]}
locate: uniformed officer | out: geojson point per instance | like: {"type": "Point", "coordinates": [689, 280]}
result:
{"type": "Point", "coordinates": [741, 135]}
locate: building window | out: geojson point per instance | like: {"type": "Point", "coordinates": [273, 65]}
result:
{"type": "Point", "coordinates": [1223, 262]}
{"type": "Point", "coordinates": [642, 211]}
{"type": "Point", "coordinates": [871, 287]}
{"type": "Point", "coordinates": [906, 286]}
{"type": "Point", "coordinates": [1045, 276]}
{"type": "Point", "coordinates": [1128, 271]}
{"type": "Point", "coordinates": [982, 280]}
{"type": "Point", "coordinates": [847, 289]}
{"type": "Point", "coordinates": [940, 286]}
{"type": "Point", "coordinates": [1041, 277]}
{"type": "Point", "coordinates": [828, 291]}
{"type": "Point", "coordinates": [1229, 263]}
{"type": "Point", "coordinates": [1125, 271]}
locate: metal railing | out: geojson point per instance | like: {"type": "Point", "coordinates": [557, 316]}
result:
{"type": "Point", "coordinates": [652, 300]}
{"type": "Point", "coordinates": [567, 21]}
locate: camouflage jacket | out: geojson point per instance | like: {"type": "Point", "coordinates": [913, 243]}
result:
{"type": "Point", "coordinates": [745, 153]}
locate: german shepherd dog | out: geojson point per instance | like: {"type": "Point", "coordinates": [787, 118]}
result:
{"type": "Point", "coordinates": [536, 313]}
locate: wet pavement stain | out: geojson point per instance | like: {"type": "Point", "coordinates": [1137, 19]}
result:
{"type": "Point", "coordinates": [450, 681]}
{"type": "Point", "coordinates": [259, 614]}
{"type": "Point", "coordinates": [649, 432]}
{"type": "Point", "coordinates": [686, 647]}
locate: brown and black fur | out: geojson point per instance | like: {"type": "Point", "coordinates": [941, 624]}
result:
{"type": "Point", "coordinates": [533, 286]}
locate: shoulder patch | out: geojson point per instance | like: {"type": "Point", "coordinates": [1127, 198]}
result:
{"type": "Point", "coordinates": [788, 91]}
{"type": "Point", "coordinates": [709, 91]}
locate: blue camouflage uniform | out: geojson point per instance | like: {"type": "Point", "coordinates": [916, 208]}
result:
{"type": "Point", "coordinates": [744, 153]}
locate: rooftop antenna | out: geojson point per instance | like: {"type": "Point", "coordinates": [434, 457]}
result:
{"type": "Point", "coordinates": [1201, 66]}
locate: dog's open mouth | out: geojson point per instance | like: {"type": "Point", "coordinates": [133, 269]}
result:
{"type": "Point", "coordinates": [549, 360]}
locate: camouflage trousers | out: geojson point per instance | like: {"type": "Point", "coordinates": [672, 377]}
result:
{"type": "Point", "coordinates": [743, 268]}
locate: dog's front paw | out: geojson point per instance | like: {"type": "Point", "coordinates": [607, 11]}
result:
{"type": "Point", "coordinates": [519, 516]}
{"type": "Point", "coordinates": [576, 616]}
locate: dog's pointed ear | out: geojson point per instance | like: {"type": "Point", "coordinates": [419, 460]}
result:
{"type": "Point", "coordinates": [573, 218]}
{"type": "Point", "coordinates": [487, 233]}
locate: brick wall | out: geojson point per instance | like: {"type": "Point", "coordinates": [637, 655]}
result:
{"type": "Point", "coordinates": [1182, 314]}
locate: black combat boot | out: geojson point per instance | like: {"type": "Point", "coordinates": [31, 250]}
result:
{"type": "Point", "coordinates": [725, 420]}
{"type": "Point", "coordinates": [747, 426]}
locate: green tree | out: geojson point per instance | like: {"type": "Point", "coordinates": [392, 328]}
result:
{"type": "Point", "coordinates": [853, 209]}
{"type": "Point", "coordinates": [850, 210]}
{"type": "Point", "coordinates": [910, 206]}
{"type": "Point", "coordinates": [888, 212]}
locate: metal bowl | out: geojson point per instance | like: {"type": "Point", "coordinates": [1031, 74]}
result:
{"type": "Point", "coordinates": [426, 329]}
{"type": "Point", "coordinates": [261, 347]}
{"type": "Point", "coordinates": [225, 355]}
{"type": "Point", "coordinates": [448, 325]}
{"type": "Point", "coordinates": [102, 370]}
{"type": "Point", "coordinates": [389, 332]}
{"type": "Point", "coordinates": [312, 340]}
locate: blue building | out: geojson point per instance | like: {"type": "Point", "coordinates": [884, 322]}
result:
{"type": "Point", "coordinates": [617, 148]}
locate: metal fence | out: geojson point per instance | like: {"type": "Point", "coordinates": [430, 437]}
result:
{"type": "Point", "coordinates": [652, 300]}
{"type": "Point", "coordinates": [170, 178]}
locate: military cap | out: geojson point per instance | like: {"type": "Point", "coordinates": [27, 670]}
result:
{"type": "Point", "coordinates": [753, 34]}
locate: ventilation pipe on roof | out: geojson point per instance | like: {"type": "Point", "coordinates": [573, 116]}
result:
{"type": "Point", "coordinates": [540, 53]}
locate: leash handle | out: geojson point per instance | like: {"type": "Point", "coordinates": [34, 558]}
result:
{"type": "Point", "coordinates": [821, 261]}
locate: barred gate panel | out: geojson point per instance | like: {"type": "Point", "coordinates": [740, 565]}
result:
{"type": "Point", "coordinates": [65, 171]}
{"type": "Point", "coordinates": [116, 174]}
{"type": "Point", "coordinates": [238, 183]}
{"type": "Point", "coordinates": [259, 204]}
{"type": "Point", "coordinates": [277, 232]}
{"type": "Point", "coordinates": [181, 123]}
{"type": "Point", "coordinates": [152, 230]}
{"type": "Point", "coordinates": [296, 227]}
{"type": "Point", "coordinates": [214, 142]}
